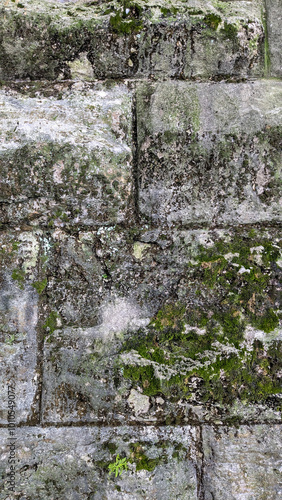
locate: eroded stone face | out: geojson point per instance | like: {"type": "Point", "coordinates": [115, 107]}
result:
{"type": "Point", "coordinates": [72, 462]}
{"type": "Point", "coordinates": [274, 19]}
{"type": "Point", "coordinates": [19, 299]}
{"type": "Point", "coordinates": [209, 153]}
{"type": "Point", "coordinates": [242, 463]}
{"type": "Point", "coordinates": [48, 39]}
{"type": "Point", "coordinates": [66, 158]}
{"type": "Point", "coordinates": [212, 353]}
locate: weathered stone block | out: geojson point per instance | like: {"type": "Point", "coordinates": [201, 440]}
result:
{"type": "Point", "coordinates": [242, 463]}
{"type": "Point", "coordinates": [19, 299]}
{"type": "Point", "coordinates": [209, 153]}
{"type": "Point", "coordinates": [73, 463]}
{"type": "Point", "coordinates": [65, 156]}
{"type": "Point", "coordinates": [274, 37]}
{"type": "Point", "coordinates": [49, 40]}
{"type": "Point", "coordinates": [183, 325]}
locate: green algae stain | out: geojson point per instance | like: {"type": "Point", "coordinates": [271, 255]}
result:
{"type": "Point", "coordinates": [40, 285]}
{"type": "Point", "coordinates": [141, 460]}
{"type": "Point", "coordinates": [18, 275]}
{"type": "Point", "coordinates": [212, 20]}
{"type": "Point", "coordinates": [127, 20]}
{"type": "Point", "coordinates": [51, 324]}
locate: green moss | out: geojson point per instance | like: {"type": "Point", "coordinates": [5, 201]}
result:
{"type": "Point", "coordinates": [170, 319]}
{"type": "Point", "coordinates": [233, 281]}
{"type": "Point", "coordinates": [270, 253]}
{"type": "Point", "coordinates": [230, 31]}
{"type": "Point", "coordinates": [18, 275]}
{"type": "Point", "coordinates": [112, 447]}
{"type": "Point", "coordinates": [141, 460]}
{"type": "Point", "coordinates": [267, 322]}
{"type": "Point", "coordinates": [168, 12]}
{"type": "Point", "coordinates": [144, 376]}
{"type": "Point", "coordinates": [212, 20]}
{"type": "Point", "coordinates": [40, 285]}
{"type": "Point", "coordinates": [124, 23]}
{"type": "Point", "coordinates": [51, 324]}
{"type": "Point", "coordinates": [15, 245]}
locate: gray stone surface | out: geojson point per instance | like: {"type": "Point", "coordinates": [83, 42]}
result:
{"type": "Point", "coordinates": [274, 35]}
{"type": "Point", "coordinates": [65, 154]}
{"type": "Point", "coordinates": [170, 326]}
{"type": "Point", "coordinates": [43, 39]}
{"type": "Point", "coordinates": [210, 153]}
{"type": "Point", "coordinates": [242, 464]}
{"type": "Point", "coordinates": [140, 249]}
{"type": "Point", "coordinates": [19, 301]}
{"type": "Point", "coordinates": [73, 463]}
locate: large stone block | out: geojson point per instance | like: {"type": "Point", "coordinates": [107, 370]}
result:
{"type": "Point", "coordinates": [52, 40]}
{"type": "Point", "coordinates": [209, 153]}
{"type": "Point", "coordinates": [274, 37]}
{"type": "Point", "coordinates": [73, 463]}
{"type": "Point", "coordinates": [65, 155]}
{"type": "Point", "coordinates": [168, 326]}
{"type": "Point", "coordinates": [19, 300]}
{"type": "Point", "coordinates": [242, 463]}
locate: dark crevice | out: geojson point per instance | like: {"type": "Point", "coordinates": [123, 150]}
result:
{"type": "Point", "coordinates": [135, 158]}
{"type": "Point", "coordinates": [200, 465]}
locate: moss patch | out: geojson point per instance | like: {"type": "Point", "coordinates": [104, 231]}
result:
{"type": "Point", "coordinates": [126, 20]}
{"type": "Point", "coordinates": [212, 20]}
{"type": "Point", "coordinates": [51, 324]}
{"type": "Point", "coordinates": [140, 458]}
{"type": "Point", "coordinates": [198, 350]}
{"type": "Point", "coordinates": [40, 285]}
{"type": "Point", "coordinates": [18, 275]}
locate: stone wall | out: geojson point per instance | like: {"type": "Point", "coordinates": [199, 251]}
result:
{"type": "Point", "coordinates": [140, 204]}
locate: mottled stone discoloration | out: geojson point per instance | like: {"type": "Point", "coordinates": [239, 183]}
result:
{"type": "Point", "coordinates": [218, 40]}
{"type": "Point", "coordinates": [211, 353]}
{"type": "Point", "coordinates": [73, 462]}
{"type": "Point", "coordinates": [19, 300]}
{"type": "Point", "coordinates": [209, 153]}
{"type": "Point", "coordinates": [274, 37]}
{"type": "Point", "coordinates": [66, 158]}
{"type": "Point", "coordinates": [242, 463]}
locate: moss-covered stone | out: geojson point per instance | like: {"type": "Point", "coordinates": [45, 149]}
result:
{"type": "Point", "coordinates": [200, 351]}
{"type": "Point", "coordinates": [122, 39]}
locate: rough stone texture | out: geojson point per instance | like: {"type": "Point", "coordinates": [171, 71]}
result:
{"type": "Point", "coordinates": [190, 317]}
{"type": "Point", "coordinates": [140, 249]}
{"type": "Point", "coordinates": [242, 463]}
{"type": "Point", "coordinates": [274, 21]}
{"type": "Point", "coordinates": [19, 299]}
{"type": "Point", "coordinates": [65, 155]}
{"type": "Point", "coordinates": [42, 39]}
{"type": "Point", "coordinates": [73, 463]}
{"type": "Point", "coordinates": [210, 153]}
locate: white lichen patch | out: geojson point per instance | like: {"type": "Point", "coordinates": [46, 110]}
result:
{"type": "Point", "coordinates": [29, 249]}
{"type": "Point", "coordinates": [120, 315]}
{"type": "Point", "coordinates": [139, 402]}
{"type": "Point", "coordinates": [139, 248]}
{"type": "Point", "coordinates": [81, 68]}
